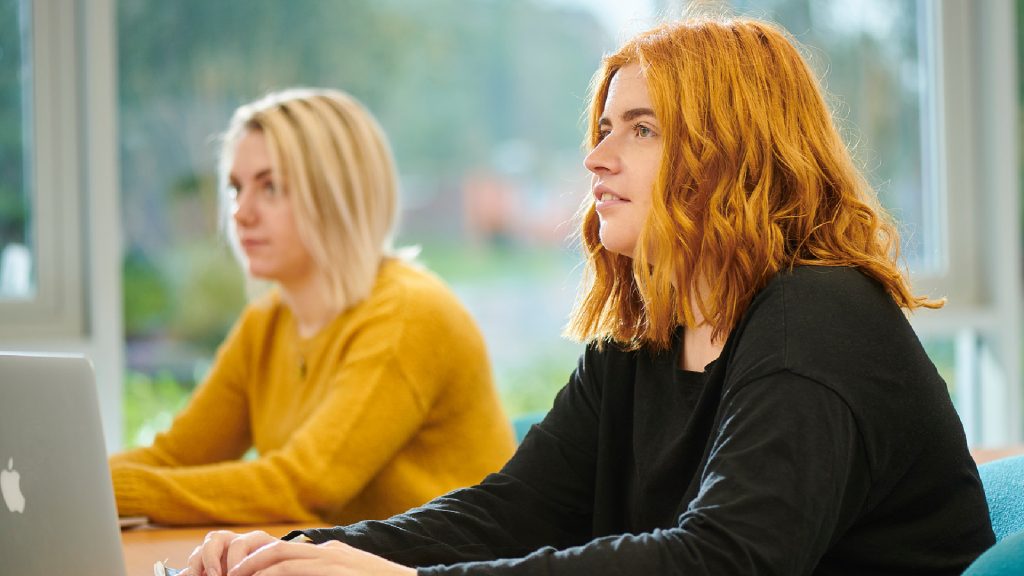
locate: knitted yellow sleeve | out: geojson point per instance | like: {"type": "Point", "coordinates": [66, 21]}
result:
{"type": "Point", "coordinates": [220, 404]}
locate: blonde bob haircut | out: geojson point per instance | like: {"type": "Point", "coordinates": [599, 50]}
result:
{"type": "Point", "coordinates": [754, 179]}
{"type": "Point", "coordinates": [332, 159]}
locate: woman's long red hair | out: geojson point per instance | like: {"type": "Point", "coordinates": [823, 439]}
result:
{"type": "Point", "coordinates": [754, 179]}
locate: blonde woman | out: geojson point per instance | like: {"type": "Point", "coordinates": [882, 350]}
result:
{"type": "Point", "coordinates": [752, 399]}
{"type": "Point", "coordinates": [360, 380]}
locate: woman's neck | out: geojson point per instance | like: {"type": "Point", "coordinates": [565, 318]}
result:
{"type": "Point", "coordinates": [698, 348]}
{"type": "Point", "coordinates": [310, 304]}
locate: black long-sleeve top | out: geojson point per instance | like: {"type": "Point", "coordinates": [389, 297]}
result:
{"type": "Point", "coordinates": [822, 441]}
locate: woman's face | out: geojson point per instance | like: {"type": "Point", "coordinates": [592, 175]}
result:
{"type": "Point", "coordinates": [263, 217]}
{"type": "Point", "coordinates": [625, 162]}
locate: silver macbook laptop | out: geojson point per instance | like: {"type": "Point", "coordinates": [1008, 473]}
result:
{"type": "Point", "coordinates": [57, 511]}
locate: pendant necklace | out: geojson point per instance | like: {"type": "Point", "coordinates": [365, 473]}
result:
{"type": "Point", "coordinates": [302, 352]}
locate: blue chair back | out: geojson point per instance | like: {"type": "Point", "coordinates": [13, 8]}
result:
{"type": "Point", "coordinates": [1006, 558]}
{"type": "Point", "coordinates": [522, 424]}
{"type": "Point", "coordinates": [1004, 489]}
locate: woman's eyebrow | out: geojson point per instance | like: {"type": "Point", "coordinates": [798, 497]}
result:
{"type": "Point", "coordinates": [634, 113]}
{"type": "Point", "coordinates": [628, 115]}
{"type": "Point", "coordinates": [233, 178]}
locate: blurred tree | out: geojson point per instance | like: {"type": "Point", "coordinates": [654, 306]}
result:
{"type": "Point", "coordinates": [14, 208]}
{"type": "Point", "coordinates": [147, 298]}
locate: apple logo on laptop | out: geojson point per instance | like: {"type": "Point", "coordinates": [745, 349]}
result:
{"type": "Point", "coordinates": [10, 487]}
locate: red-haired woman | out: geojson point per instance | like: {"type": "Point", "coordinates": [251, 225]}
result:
{"type": "Point", "coordinates": [752, 399]}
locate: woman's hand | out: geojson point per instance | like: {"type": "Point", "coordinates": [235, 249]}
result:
{"type": "Point", "coordinates": [225, 553]}
{"type": "Point", "coordinates": [280, 558]}
{"type": "Point", "coordinates": [221, 550]}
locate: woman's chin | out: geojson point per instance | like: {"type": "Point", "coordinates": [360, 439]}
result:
{"type": "Point", "coordinates": [618, 247]}
{"type": "Point", "coordinates": [261, 274]}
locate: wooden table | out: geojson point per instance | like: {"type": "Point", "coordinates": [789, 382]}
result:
{"type": "Point", "coordinates": [982, 455]}
{"type": "Point", "coordinates": [144, 546]}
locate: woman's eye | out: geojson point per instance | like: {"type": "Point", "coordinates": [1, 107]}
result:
{"type": "Point", "coordinates": [643, 131]}
{"type": "Point", "coordinates": [269, 189]}
{"type": "Point", "coordinates": [602, 134]}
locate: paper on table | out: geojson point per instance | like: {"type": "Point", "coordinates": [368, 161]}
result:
{"type": "Point", "coordinates": [160, 570]}
{"type": "Point", "coordinates": [127, 522]}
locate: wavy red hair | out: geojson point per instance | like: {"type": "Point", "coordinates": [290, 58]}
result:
{"type": "Point", "coordinates": [754, 179]}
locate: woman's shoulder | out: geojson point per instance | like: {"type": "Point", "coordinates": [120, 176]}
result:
{"type": "Point", "coordinates": [262, 313]}
{"type": "Point", "coordinates": [409, 274]}
{"type": "Point", "coordinates": [825, 283]}
{"type": "Point", "coordinates": [818, 315]}
{"type": "Point", "coordinates": [412, 286]}
{"type": "Point", "coordinates": [411, 294]}
{"type": "Point", "coordinates": [266, 306]}
{"type": "Point", "coordinates": [822, 295]}
{"type": "Point", "coordinates": [263, 316]}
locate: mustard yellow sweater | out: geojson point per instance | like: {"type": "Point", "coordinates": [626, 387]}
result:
{"type": "Point", "coordinates": [390, 405]}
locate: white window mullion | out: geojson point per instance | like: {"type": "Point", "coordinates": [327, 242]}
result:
{"type": "Point", "coordinates": [54, 180]}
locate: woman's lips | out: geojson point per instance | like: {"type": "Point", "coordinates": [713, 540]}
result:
{"type": "Point", "coordinates": [606, 197]}
{"type": "Point", "coordinates": [250, 244]}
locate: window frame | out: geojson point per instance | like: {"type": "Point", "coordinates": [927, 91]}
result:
{"type": "Point", "coordinates": [56, 309]}
{"type": "Point", "coordinates": [76, 218]}
{"type": "Point", "coordinates": [974, 166]}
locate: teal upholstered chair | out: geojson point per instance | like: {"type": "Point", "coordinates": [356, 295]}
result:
{"type": "Point", "coordinates": [1004, 490]}
{"type": "Point", "coordinates": [522, 424]}
{"type": "Point", "coordinates": [1006, 558]}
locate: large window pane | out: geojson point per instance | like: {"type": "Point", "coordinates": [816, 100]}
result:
{"type": "Point", "coordinates": [16, 248]}
{"type": "Point", "coordinates": [868, 52]}
{"type": "Point", "coordinates": [482, 101]}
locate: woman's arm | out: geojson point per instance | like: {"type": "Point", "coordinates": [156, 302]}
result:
{"type": "Point", "coordinates": [785, 465]}
{"type": "Point", "coordinates": [213, 427]}
{"type": "Point", "coordinates": [188, 441]}
{"type": "Point", "coordinates": [369, 414]}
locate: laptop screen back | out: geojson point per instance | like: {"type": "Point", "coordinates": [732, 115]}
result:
{"type": "Point", "coordinates": [57, 511]}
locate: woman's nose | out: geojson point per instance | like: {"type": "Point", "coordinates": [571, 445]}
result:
{"type": "Point", "coordinates": [243, 210]}
{"type": "Point", "coordinates": [602, 158]}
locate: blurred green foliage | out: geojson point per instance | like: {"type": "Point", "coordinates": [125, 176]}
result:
{"type": "Point", "coordinates": [531, 388]}
{"type": "Point", "coordinates": [471, 263]}
{"type": "Point", "coordinates": [211, 298]}
{"type": "Point", "coordinates": [150, 403]}
{"type": "Point", "coordinates": [147, 295]}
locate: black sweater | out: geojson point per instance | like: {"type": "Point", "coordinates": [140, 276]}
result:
{"type": "Point", "coordinates": [822, 441]}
